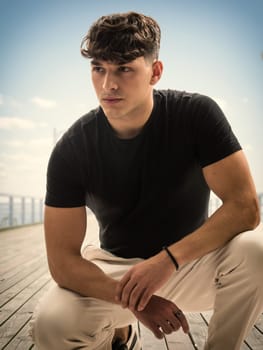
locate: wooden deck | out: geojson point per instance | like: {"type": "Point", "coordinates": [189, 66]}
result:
{"type": "Point", "coordinates": [24, 277]}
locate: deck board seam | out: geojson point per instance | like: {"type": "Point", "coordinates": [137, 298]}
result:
{"type": "Point", "coordinates": [21, 305]}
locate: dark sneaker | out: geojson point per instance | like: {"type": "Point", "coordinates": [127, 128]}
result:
{"type": "Point", "coordinates": [133, 343]}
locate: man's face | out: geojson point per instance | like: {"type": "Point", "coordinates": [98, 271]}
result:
{"type": "Point", "coordinates": [124, 90]}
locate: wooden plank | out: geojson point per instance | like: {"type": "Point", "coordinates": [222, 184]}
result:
{"type": "Point", "coordinates": [179, 341]}
{"type": "Point", "coordinates": [207, 316]}
{"type": "Point", "coordinates": [198, 328]}
{"type": "Point", "coordinates": [15, 245]}
{"type": "Point", "coordinates": [149, 341]}
{"type": "Point", "coordinates": [21, 341]}
{"type": "Point", "coordinates": [259, 324]}
{"type": "Point", "coordinates": [255, 339]}
{"type": "Point", "coordinates": [6, 254]}
{"type": "Point", "coordinates": [21, 272]}
{"type": "Point", "coordinates": [12, 292]}
{"type": "Point", "coordinates": [33, 253]}
{"type": "Point", "coordinates": [8, 274]}
{"type": "Point", "coordinates": [16, 252]}
{"type": "Point", "coordinates": [16, 237]}
{"type": "Point", "coordinates": [18, 264]}
{"type": "Point", "coordinates": [23, 283]}
{"type": "Point", "coordinates": [10, 308]}
{"type": "Point", "coordinates": [16, 321]}
{"type": "Point", "coordinates": [16, 261]}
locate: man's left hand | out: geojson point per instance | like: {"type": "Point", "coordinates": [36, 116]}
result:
{"type": "Point", "coordinates": [137, 286]}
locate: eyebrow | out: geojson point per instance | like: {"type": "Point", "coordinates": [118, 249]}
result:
{"type": "Point", "coordinates": [95, 63]}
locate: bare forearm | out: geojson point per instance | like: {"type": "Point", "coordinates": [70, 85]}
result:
{"type": "Point", "coordinates": [64, 232]}
{"type": "Point", "coordinates": [228, 221]}
{"type": "Point", "coordinates": [85, 278]}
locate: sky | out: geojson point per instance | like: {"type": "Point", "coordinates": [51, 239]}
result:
{"type": "Point", "coordinates": [213, 47]}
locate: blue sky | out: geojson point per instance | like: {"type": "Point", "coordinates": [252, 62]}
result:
{"type": "Point", "coordinates": [209, 46]}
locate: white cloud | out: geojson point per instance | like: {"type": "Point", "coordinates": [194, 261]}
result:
{"type": "Point", "coordinates": [26, 172]}
{"type": "Point", "coordinates": [20, 162]}
{"type": "Point", "coordinates": [41, 144]}
{"type": "Point", "coordinates": [8, 123]}
{"type": "Point", "coordinates": [9, 101]}
{"type": "Point", "coordinates": [17, 123]}
{"type": "Point", "coordinates": [43, 103]}
{"type": "Point", "coordinates": [43, 124]}
{"type": "Point", "coordinates": [14, 143]}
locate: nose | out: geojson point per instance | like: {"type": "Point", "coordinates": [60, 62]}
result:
{"type": "Point", "coordinates": [110, 82]}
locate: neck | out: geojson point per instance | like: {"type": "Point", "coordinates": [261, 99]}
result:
{"type": "Point", "coordinates": [127, 132]}
{"type": "Point", "coordinates": [131, 125]}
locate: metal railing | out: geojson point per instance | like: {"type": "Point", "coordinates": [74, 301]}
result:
{"type": "Point", "coordinates": [20, 210]}
{"type": "Point", "coordinates": [25, 210]}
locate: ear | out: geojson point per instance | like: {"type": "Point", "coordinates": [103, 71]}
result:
{"type": "Point", "coordinates": [157, 68]}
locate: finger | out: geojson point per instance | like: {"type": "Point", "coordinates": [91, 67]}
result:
{"type": "Point", "coordinates": [182, 319]}
{"type": "Point", "coordinates": [126, 294]}
{"type": "Point", "coordinates": [167, 327]}
{"type": "Point", "coordinates": [157, 331]}
{"type": "Point", "coordinates": [135, 297]}
{"type": "Point", "coordinates": [174, 323]}
{"type": "Point", "coordinates": [120, 286]}
{"type": "Point", "coordinates": [145, 298]}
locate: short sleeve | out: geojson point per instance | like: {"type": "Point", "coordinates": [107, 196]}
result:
{"type": "Point", "coordinates": [214, 138]}
{"type": "Point", "coordinates": [64, 179]}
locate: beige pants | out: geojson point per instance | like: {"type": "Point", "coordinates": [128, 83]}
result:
{"type": "Point", "coordinates": [228, 280]}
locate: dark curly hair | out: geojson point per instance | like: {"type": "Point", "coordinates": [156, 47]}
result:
{"type": "Point", "coordinates": [122, 37]}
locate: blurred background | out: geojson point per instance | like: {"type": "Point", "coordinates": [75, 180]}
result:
{"type": "Point", "coordinates": [213, 47]}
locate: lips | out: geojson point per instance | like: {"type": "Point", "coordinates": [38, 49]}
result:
{"type": "Point", "coordinates": [111, 99]}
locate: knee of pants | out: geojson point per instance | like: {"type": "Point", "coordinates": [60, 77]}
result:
{"type": "Point", "coordinates": [64, 314]}
{"type": "Point", "coordinates": [247, 249]}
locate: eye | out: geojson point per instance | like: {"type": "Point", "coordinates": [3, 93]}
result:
{"type": "Point", "coordinates": [97, 69]}
{"type": "Point", "coordinates": [124, 69]}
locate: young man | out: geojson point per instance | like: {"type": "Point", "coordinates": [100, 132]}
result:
{"type": "Point", "coordinates": [145, 162]}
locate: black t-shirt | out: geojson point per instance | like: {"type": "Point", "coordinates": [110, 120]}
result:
{"type": "Point", "coordinates": [148, 191]}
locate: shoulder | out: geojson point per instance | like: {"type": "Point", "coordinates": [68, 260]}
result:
{"type": "Point", "coordinates": [83, 124]}
{"type": "Point", "coordinates": [187, 107]}
{"type": "Point", "coordinates": [192, 99]}
{"type": "Point", "coordinates": [77, 140]}
{"type": "Point", "coordinates": [170, 95]}
{"type": "Point", "coordinates": [79, 130]}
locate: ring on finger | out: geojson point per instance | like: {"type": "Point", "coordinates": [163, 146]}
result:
{"type": "Point", "coordinates": [178, 313]}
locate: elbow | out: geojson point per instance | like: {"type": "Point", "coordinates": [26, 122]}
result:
{"type": "Point", "coordinates": [63, 269]}
{"type": "Point", "coordinates": [251, 213]}
{"type": "Point", "coordinates": [60, 280]}
{"type": "Point", "coordinates": [56, 273]}
{"type": "Point", "coordinates": [56, 276]}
